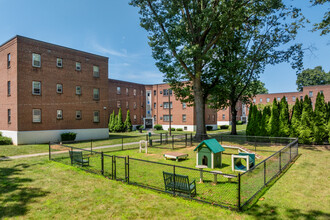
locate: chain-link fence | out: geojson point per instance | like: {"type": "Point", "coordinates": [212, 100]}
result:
{"type": "Point", "coordinates": [214, 187]}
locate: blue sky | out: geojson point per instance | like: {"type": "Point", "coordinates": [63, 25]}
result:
{"type": "Point", "coordinates": [111, 28]}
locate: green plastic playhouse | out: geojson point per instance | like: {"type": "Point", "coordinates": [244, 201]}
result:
{"type": "Point", "coordinates": [237, 164]}
{"type": "Point", "coordinates": [209, 153]}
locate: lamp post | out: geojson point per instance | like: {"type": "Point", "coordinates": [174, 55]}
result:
{"type": "Point", "coordinates": [169, 108]}
{"type": "Point", "coordinates": [105, 111]}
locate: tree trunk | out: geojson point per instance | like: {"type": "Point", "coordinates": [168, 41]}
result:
{"type": "Point", "coordinates": [233, 119]}
{"type": "Point", "coordinates": [199, 111]}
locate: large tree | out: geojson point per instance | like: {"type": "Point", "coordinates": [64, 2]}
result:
{"type": "Point", "coordinates": [284, 118]}
{"type": "Point", "coordinates": [264, 38]}
{"type": "Point", "coordinates": [306, 126]}
{"type": "Point", "coordinates": [274, 121]}
{"type": "Point", "coordinates": [311, 77]}
{"type": "Point", "coordinates": [296, 118]}
{"type": "Point", "coordinates": [320, 120]}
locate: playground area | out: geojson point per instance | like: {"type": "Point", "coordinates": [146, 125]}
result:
{"type": "Point", "coordinates": [221, 185]}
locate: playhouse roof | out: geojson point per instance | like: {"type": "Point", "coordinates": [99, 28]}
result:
{"type": "Point", "coordinates": [212, 144]}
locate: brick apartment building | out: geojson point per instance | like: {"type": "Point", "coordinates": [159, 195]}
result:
{"type": "Point", "coordinates": [47, 90]}
{"type": "Point", "coordinates": [224, 116]}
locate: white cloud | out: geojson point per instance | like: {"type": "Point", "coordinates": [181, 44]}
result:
{"type": "Point", "coordinates": [109, 51]}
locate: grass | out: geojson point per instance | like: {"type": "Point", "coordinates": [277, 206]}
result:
{"type": "Point", "coordinates": [12, 150]}
{"type": "Point", "coordinates": [38, 189]}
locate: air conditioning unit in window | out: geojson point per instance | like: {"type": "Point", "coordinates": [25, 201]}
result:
{"type": "Point", "coordinates": [161, 118]}
{"type": "Point", "coordinates": [161, 105]}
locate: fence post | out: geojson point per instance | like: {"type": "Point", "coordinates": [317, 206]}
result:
{"type": "Point", "coordinates": [112, 164]}
{"type": "Point", "coordinates": [264, 172]}
{"type": "Point", "coordinates": [186, 139]}
{"type": "Point", "coordinates": [221, 139]}
{"type": "Point", "coordinates": [115, 168]}
{"type": "Point", "coordinates": [172, 142]}
{"type": "Point", "coordinates": [190, 139]}
{"type": "Point", "coordinates": [50, 154]}
{"type": "Point", "coordinates": [174, 180]}
{"type": "Point", "coordinates": [161, 139]}
{"type": "Point", "coordinates": [290, 152]}
{"type": "Point", "coordinates": [146, 137]}
{"type": "Point", "coordinates": [239, 192]}
{"type": "Point", "coordinates": [102, 163]}
{"type": "Point", "coordinates": [280, 162]}
{"type": "Point", "coordinates": [91, 146]}
{"type": "Point", "coordinates": [127, 169]}
{"type": "Point", "coordinates": [71, 157]}
{"type": "Point", "coordinates": [166, 138]}
{"type": "Point", "coordinates": [122, 142]}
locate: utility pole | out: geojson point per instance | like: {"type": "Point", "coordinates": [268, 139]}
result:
{"type": "Point", "coordinates": [169, 109]}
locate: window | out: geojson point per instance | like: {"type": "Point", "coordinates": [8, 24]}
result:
{"type": "Point", "coordinates": [36, 88]}
{"type": "Point", "coordinates": [155, 105]}
{"type": "Point", "coordinates": [155, 118]}
{"type": "Point", "coordinates": [301, 97]}
{"type": "Point", "coordinates": [286, 98]}
{"type": "Point", "coordinates": [167, 91]}
{"type": "Point", "coordinates": [78, 90]}
{"type": "Point", "coordinates": [278, 99]}
{"type": "Point", "coordinates": [167, 118]}
{"type": "Point", "coordinates": [254, 100]}
{"type": "Point", "coordinates": [36, 60]}
{"type": "Point", "coordinates": [59, 114]}
{"type": "Point", "coordinates": [267, 100]}
{"type": "Point", "coordinates": [36, 115]}
{"type": "Point", "coordinates": [96, 94]}
{"type": "Point", "coordinates": [213, 118]}
{"type": "Point", "coordinates": [208, 117]}
{"type": "Point", "coordinates": [134, 105]}
{"type": "Point", "coordinates": [8, 88]}
{"type": "Point", "coordinates": [118, 104]}
{"type": "Point", "coordinates": [134, 92]}
{"type": "Point", "coordinates": [134, 117]}
{"type": "Point", "coordinates": [118, 90]}
{"type": "Point", "coordinates": [293, 98]}
{"type": "Point", "coordinates": [260, 100]}
{"type": "Point", "coordinates": [126, 104]}
{"type": "Point", "coordinates": [96, 71]}
{"type": "Point", "coordinates": [59, 88]}
{"type": "Point", "coordinates": [160, 92]}
{"type": "Point", "coordinates": [96, 118]}
{"type": "Point", "coordinates": [184, 118]}
{"type": "Point", "coordinates": [9, 116]}
{"type": "Point", "coordinates": [8, 60]}
{"type": "Point", "coordinates": [185, 128]}
{"type": "Point", "coordinates": [78, 66]}
{"type": "Point", "coordinates": [184, 105]}
{"type": "Point", "coordinates": [59, 62]}
{"type": "Point", "coordinates": [223, 116]}
{"type": "Point", "coordinates": [310, 93]}
{"type": "Point", "coordinates": [126, 91]}
{"type": "Point", "coordinates": [78, 115]}
{"type": "Point", "coordinates": [155, 92]}
{"type": "Point", "coordinates": [165, 104]}
{"type": "Point", "coordinates": [321, 91]}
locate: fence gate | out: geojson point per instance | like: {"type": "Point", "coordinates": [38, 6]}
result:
{"type": "Point", "coordinates": [121, 168]}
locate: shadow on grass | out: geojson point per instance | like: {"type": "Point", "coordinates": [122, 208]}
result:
{"type": "Point", "coordinates": [14, 194]}
{"type": "Point", "coordinates": [266, 211]}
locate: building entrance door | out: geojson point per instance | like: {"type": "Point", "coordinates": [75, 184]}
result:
{"type": "Point", "coordinates": [148, 123]}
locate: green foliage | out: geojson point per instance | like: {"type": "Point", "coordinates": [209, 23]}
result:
{"type": "Point", "coordinates": [224, 126]}
{"type": "Point", "coordinates": [179, 129]}
{"type": "Point", "coordinates": [274, 123]}
{"type": "Point", "coordinates": [258, 119]}
{"type": "Point", "coordinates": [5, 140]}
{"type": "Point", "coordinates": [172, 129]}
{"type": "Point", "coordinates": [158, 127]}
{"type": "Point", "coordinates": [209, 128]}
{"type": "Point", "coordinates": [249, 126]}
{"type": "Point", "coordinates": [128, 123]}
{"type": "Point", "coordinates": [239, 122]}
{"type": "Point", "coordinates": [310, 77]}
{"type": "Point", "coordinates": [296, 118]}
{"type": "Point", "coordinates": [119, 125]}
{"type": "Point", "coordinates": [324, 25]}
{"type": "Point", "coordinates": [284, 119]}
{"type": "Point", "coordinates": [69, 136]}
{"type": "Point", "coordinates": [329, 131]}
{"type": "Point", "coordinates": [111, 124]}
{"type": "Point", "coordinates": [320, 126]}
{"type": "Point", "coordinates": [264, 131]}
{"type": "Point", "coordinates": [306, 127]}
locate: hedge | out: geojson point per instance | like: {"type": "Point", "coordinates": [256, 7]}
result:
{"type": "Point", "coordinates": [69, 136]}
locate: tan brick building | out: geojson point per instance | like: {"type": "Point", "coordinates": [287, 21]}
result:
{"type": "Point", "coordinates": [47, 90]}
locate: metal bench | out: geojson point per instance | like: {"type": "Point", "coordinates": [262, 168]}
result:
{"type": "Point", "coordinates": [179, 183]}
{"type": "Point", "coordinates": [77, 157]}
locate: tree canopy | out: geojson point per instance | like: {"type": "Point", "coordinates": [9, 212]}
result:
{"type": "Point", "coordinates": [324, 25]}
{"type": "Point", "coordinates": [311, 77]}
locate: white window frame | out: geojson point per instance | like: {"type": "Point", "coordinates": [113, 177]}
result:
{"type": "Point", "coordinates": [134, 92]}
{"type": "Point", "coordinates": [267, 100]}
{"type": "Point", "coordinates": [293, 98]}
{"type": "Point", "coordinates": [36, 115]}
{"type": "Point", "coordinates": [127, 91]}
{"type": "Point", "coordinates": [96, 71]}
{"type": "Point", "coordinates": [59, 85]}
{"type": "Point", "coordinates": [59, 114]}
{"type": "Point", "coordinates": [78, 93]}
{"type": "Point", "coordinates": [118, 90]}
{"type": "Point", "coordinates": [96, 117]}
{"type": "Point", "coordinates": [9, 116]}
{"type": "Point", "coordinates": [184, 117]}
{"type": "Point", "coordinates": [33, 91]}
{"type": "Point", "coordinates": [127, 104]}
{"type": "Point", "coordinates": [35, 57]}
{"type": "Point", "coordinates": [118, 104]}
{"type": "Point", "coordinates": [260, 100]}
{"type": "Point", "coordinates": [59, 62]}
{"type": "Point", "coordinates": [78, 66]}
{"type": "Point", "coordinates": [98, 94]}
{"type": "Point", "coordinates": [184, 105]}
{"type": "Point", "coordinates": [310, 94]}
{"type": "Point", "coordinates": [8, 60]}
{"type": "Point", "coordinates": [78, 112]}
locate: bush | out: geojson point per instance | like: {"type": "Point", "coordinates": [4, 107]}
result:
{"type": "Point", "coordinates": [5, 140]}
{"type": "Point", "coordinates": [158, 127]}
{"type": "Point", "coordinates": [179, 129]}
{"type": "Point", "coordinates": [70, 136]}
{"type": "Point", "coordinates": [209, 128]}
{"type": "Point", "coordinates": [172, 129]}
{"type": "Point", "coordinates": [239, 123]}
{"type": "Point", "coordinates": [224, 126]}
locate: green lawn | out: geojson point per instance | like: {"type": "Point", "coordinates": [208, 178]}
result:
{"type": "Point", "coordinates": [36, 188]}
{"type": "Point", "coordinates": [11, 150]}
